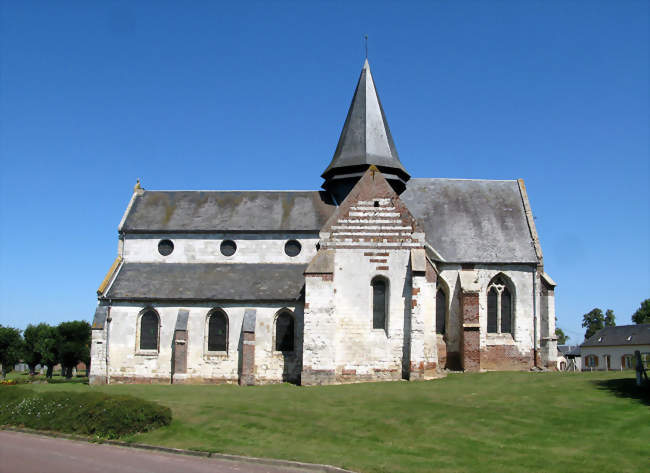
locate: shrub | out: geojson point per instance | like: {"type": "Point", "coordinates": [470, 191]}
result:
{"type": "Point", "coordinates": [95, 414]}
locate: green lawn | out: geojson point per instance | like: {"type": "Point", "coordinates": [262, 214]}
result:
{"type": "Point", "coordinates": [488, 422]}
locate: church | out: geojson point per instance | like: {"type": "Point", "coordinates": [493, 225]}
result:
{"type": "Point", "coordinates": [378, 276]}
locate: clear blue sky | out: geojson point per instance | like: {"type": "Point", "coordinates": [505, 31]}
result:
{"type": "Point", "coordinates": [234, 95]}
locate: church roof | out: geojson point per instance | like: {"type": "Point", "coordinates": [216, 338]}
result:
{"type": "Point", "coordinates": [227, 211]}
{"type": "Point", "coordinates": [475, 221]}
{"type": "Point", "coordinates": [200, 281]}
{"type": "Point", "coordinates": [472, 221]}
{"type": "Point", "coordinates": [366, 138]}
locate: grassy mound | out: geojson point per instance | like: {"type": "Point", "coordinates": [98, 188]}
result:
{"type": "Point", "coordinates": [93, 413]}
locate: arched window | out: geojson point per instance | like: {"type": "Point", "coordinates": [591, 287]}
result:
{"type": "Point", "coordinates": [149, 330]}
{"type": "Point", "coordinates": [284, 332]}
{"type": "Point", "coordinates": [591, 361]}
{"type": "Point", "coordinates": [499, 302]}
{"type": "Point", "coordinates": [218, 331]}
{"type": "Point", "coordinates": [441, 310]}
{"type": "Point", "coordinates": [379, 302]}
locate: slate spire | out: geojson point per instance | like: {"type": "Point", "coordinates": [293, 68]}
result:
{"type": "Point", "coordinates": [365, 140]}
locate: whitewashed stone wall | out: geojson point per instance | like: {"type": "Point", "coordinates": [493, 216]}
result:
{"type": "Point", "coordinates": [128, 364]}
{"type": "Point", "coordinates": [251, 248]}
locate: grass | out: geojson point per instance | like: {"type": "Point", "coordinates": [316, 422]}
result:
{"type": "Point", "coordinates": [488, 422]}
{"type": "Point", "coordinates": [24, 377]}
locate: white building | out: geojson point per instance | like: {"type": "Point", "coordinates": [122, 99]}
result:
{"type": "Point", "coordinates": [612, 348]}
{"type": "Point", "coordinates": [376, 277]}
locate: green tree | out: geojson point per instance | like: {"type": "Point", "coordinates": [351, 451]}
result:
{"type": "Point", "coordinates": [11, 347]}
{"type": "Point", "coordinates": [47, 346]}
{"type": "Point", "coordinates": [642, 315]}
{"type": "Point", "coordinates": [610, 318]}
{"type": "Point", "coordinates": [561, 337]}
{"type": "Point", "coordinates": [593, 321]}
{"type": "Point", "coordinates": [74, 344]}
{"type": "Point", "coordinates": [33, 335]}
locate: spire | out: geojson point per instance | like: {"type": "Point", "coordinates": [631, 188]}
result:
{"type": "Point", "coordinates": [365, 140]}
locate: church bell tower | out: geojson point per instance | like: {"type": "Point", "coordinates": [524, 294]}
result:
{"type": "Point", "coordinates": [365, 141]}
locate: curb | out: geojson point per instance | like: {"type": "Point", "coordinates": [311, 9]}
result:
{"type": "Point", "coordinates": [180, 451]}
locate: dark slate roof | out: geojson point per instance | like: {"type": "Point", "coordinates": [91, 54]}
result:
{"type": "Point", "coordinates": [214, 282]}
{"type": "Point", "coordinates": [181, 319]}
{"type": "Point", "coordinates": [472, 220]}
{"type": "Point", "coordinates": [366, 138]}
{"type": "Point", "coordinates": [228, 211]}
{"type": "Point", "coordinates": [99, 320]}
{"type": "Point", "coordinates": [569, 350]}
{"type": "Point", "coordinates": [610, 336]}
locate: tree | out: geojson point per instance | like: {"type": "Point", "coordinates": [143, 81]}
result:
{"type": "Point", "coordinates": [610, 318]}
{"type": "Point", "coordinates": [47, 346]}
{"type": "Point", "coordinates": [11, 347]}
{"type": "Point", "coordinates": [593, 321]}
{"type": "Point", "coordinates": [74, 344]}
{"type": "Point", "coordinates": [33, 336]}
{"type": "Point", "coordinates": [561, 338]}
{"type": "Point", "coordinates": [642, 315]}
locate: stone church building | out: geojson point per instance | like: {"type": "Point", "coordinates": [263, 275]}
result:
{"type": "Point", "coordinates": [378, 276]}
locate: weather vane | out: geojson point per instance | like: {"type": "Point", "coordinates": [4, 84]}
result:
{"type": "Point", "coordinates": [366, 43]}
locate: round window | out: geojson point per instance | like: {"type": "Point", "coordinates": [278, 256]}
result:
{"type": "Point", "coordinates": [165, 247]}
{"type": "Point", "coordinates": [292, 248]}
{"type": "Point", "coordinates": [228, 247]}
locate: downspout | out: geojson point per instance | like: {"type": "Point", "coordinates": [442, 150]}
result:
{"type": "Point", "coordinates": [108, 333]}
{"type": "Point", "coordinates": [534, 317]}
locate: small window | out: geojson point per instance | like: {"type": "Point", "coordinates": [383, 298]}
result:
{"type": "Point", "coordinates": [228, 247]}
{"type": "Point", "coordinates": [284, 332]}
{"type": "Point", "coordinates": [379, 303]}
{"type": "Point", "coordinates": [149, 330]}
{"type": "Point", "coordinates": [218, 331]}
{"type": "Point", "coordinates": [165, 247]}
{"type": "Point", "coordinates": [441, 310]}
{"type": "Point", "coordinates": [292, 248]}
{"type": "Point", "coordinates": [376, 203]}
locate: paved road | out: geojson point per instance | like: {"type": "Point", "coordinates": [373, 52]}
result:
{"type": "Point", "coordinates": [27, 453]}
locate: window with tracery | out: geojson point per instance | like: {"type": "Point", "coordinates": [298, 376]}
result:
{"type": "Point", "coordinates": [499, 307]}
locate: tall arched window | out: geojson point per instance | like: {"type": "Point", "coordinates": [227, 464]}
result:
{"type": "Point", "coordinates": [379, 302]}
{"type": "Point", "coordinates": [218, 331]}
{"type": "Point", "coordinates": [149, 324]}
{"type": "Point", "coordinates": [284, 331]}
{"type": "Point", "coordinates": [499, 306]}
{"type": "Point", "coordinates": [441, 310]}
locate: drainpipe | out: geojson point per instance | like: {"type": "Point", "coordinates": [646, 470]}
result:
{"type": "Point", "coordinates": [534, 273]}
{"type": "Point", "coordinates": [108, 333]}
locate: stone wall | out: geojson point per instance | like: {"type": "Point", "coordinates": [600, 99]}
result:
{"type": "Point", "coordinates": [129, 364]}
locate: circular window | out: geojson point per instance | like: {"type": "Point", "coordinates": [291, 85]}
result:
{"type": "Point", "coordinates": [165, 247]}
{"type": "Point", "coordinates": [292, 248]}
{"type": "Point", "coordinates": [228, 247]}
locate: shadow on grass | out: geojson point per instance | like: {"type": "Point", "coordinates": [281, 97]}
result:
{"type": "Point", "coordinates": [626, 387]}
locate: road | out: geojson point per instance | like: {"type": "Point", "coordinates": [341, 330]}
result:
{"type": "Point", "coordinates": [28, 453]}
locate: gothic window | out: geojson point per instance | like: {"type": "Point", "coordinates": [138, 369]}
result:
{"type": "Point", "coordinates": [379, 303]}
{"type": "Point", "coordinates": [441, 310]}
{"type": "Point", "coordinates": [218, 331]}
{"type": "Point", "coordinates": [149, 330]}
{"type": "Point", "coordinates": [284, 332]}
{"type": "Point", "coordinates": [499, 304]}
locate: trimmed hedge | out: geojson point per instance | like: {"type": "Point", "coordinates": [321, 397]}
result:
{"type": "Point", "coordinates": [95, 414]}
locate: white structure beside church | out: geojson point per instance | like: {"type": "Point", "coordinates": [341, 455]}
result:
{"type": "Point", "coordinates": [379, 276]}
